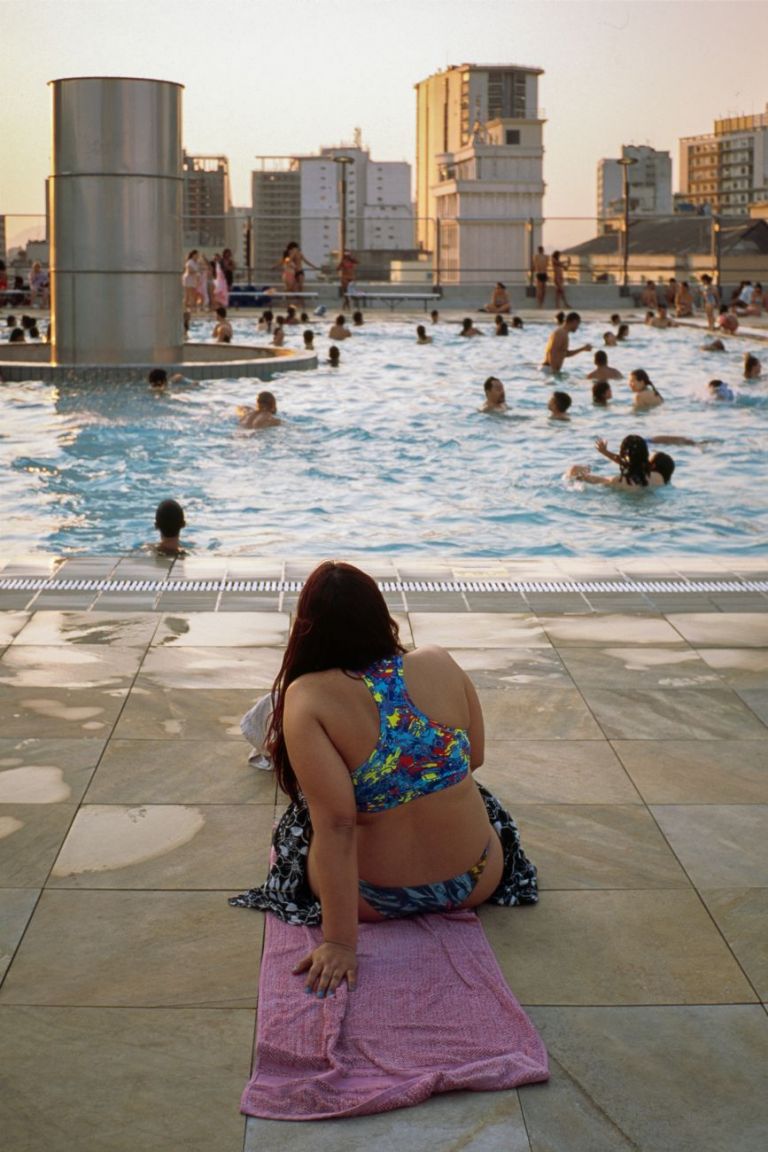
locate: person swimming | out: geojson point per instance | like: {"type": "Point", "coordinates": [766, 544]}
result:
{"type": "Point", "coordinates": [601, 393]}
{"type": "Point", "coordinates": [559, 403]}
{"type": "Point", "coordinates": [421, 335]}
{"type": "Point", "coordinates": [753, 369]}
{"type": "Point", "coordinates": [646, 394]}
{"type": "Point", "coordinates": [719, 390]}
{"type": "Point", "coordinates": [636, 469]}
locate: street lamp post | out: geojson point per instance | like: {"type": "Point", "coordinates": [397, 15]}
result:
{"type": "Point", "coordinates": [626, 163]}
{"type": "Point", "coordinates": [716, 250]}
{"type": "Point", "coordinates": [343, 161]}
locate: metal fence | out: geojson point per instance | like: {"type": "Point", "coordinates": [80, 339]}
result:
{"type": "Point", "coordinates": [401, 249]}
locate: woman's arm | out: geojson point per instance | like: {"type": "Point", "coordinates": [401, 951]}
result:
{"type": "Point", "coordinates": [476, 726]}
{"type": "Point", "coordinates": [326, 784]}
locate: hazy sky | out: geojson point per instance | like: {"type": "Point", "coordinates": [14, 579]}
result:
{"type": "Point", "coordinates": [282, 76]}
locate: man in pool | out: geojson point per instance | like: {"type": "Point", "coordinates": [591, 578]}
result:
{"type": "Point", "coordinates": [559, 403]}
{"type": "Point", "coordinates": [557, 349]}
{"type": "Point", "coordinates": [602, 369]}
{"type": "Point", "coordinates": [495, 397]}
{"type": "Point", "coordinates": [169, 521]}
{"type": "Point", "coordinates": [264, 415]}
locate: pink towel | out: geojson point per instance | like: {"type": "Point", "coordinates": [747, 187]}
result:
{"type": "Point", "coordinates": [431, 1013]}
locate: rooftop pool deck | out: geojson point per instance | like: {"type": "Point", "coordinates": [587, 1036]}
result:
{"type": "Point", "coordinates": [626, 704]}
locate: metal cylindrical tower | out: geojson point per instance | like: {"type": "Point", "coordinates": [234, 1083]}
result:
{"type": "Point", "coordinates": [115, 205]}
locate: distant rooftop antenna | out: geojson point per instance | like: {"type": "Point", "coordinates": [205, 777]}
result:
{"type": "Point", "coordinates": [357, 138]}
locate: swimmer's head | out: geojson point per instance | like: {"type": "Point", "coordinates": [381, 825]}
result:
{"type": "Point", "coordinates": [434, 315]}
{"type": "Point", "coordinates": [169, 518]}
{"type": "Point", "coordinates": [158, 378]}
{"type": "Point", "coordinates": [334, 356]}
{"type": "Point", "coordinates": [265, 402]}
{"type": "Point", "coordinates": [639, 380]}
{"type": "Point", "coordinates": [601, 359]}
{"type": "Point", "coordinates": [494, 390]}
{"type": "Point", "coordinates": [516, 322]}
{"type": "Point", "coordinates": [752, 367]}
{"type": "Point", "coordinates": [609, 339]}
{"type": "Point", "coordinates": [633, 459]}
{"type": "Point", "coordinates": [466, 324]}
{"type": "Point", "coordinates": [719, 390]}
{"type": "Point", "coordinates": [502, 329]}
{"type": "Point", "coordinates": [17, 336]}
{"type": "Point", "coordinates": [714, 346]}
{"type": "Point", "coordinates": [221, 313]}
{"type": "Point", "coordinates": [357, 318]}
{"type": "Point", "coordinates": [340, 319]}
{"type": "Point", "coordinates": [421, 332]}
{"type": "Point", "coordinates": [649, 315]}
{"type": "Point", "coordinates": [663, 464]}
{"type": "Point", "coordinates": [601, 393]}
{"type": "Point", "coordinates": [572, 321]}
{"type": "Point", "coordinates": [615, 318]}
{"type": "Point", "coordinates": [559, 403]}
{"type": "Point", "coordinates": [10, 322]}
{"type": "Point", "coordinates": [623, 332]}
{"type": "Point", "coordinates": [559, 317]}
{"type": "Point", "coordinates": [309, 338]}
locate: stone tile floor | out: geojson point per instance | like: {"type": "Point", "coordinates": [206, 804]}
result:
{"type": "Point", "coordinates": [631, 744]}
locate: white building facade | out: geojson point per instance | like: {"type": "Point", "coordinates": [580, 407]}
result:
{"type": "Point", "coordinates": [479, 171]}
{"type": "Point", "coordinates": [377, 194]}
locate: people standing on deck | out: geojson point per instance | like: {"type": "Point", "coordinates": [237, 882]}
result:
{"type": "Point", "coordinates": [190, 281]}
{"type": "Point", "coordinates": [558, 349]}
{"type": "Point", "coordinates": [347, 270]}
{"type": "Point", "coordinates": [709, 299]}
{"type": "Point", "coordinates": [292, 264]}
{"type": "Point", "coordinates": [540, 265]}
{"type": "Point", "coordinates": [683, 300]}
{"type": "Point", "coordinates": [228, 266]}
{"type": "Point", "coordinates": [560, 266]}
{"type": "Point", "coordinates": [648, 297]}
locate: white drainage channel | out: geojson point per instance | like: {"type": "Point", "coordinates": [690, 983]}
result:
{"type": "Point", "coordinates": [40, 584]}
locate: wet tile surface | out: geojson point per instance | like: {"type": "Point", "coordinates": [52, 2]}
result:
{"type": "Point", "coordinates": [632, 752]}
{"type": "Point", "coordinates": [687, 1079]}
{"type": "Point", "coordinates": [120, 1080]}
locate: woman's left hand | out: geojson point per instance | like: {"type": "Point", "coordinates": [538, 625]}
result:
{"type": "Point", "coordinates": [326, 966]}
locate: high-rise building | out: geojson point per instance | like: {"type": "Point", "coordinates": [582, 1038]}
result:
{"type": "Point", "coordinates": [300, 198]}
{"type": "Point", "coordinates": [206, 201]}
{"type": "Point", "coordinates": [650, 184]}
{"type": "Point", "coordinates": [479, 170]}
{"type": "Point", "coordinates": [727, 170]}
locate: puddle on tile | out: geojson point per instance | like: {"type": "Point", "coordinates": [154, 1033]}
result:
{"type": "Point", "coordinates": [9, 825]}
{"type": "Point", "coordinates": [58, 711]}
{"type": "Point", "coordinates": [33, 785]}
{"type": "Point", "coordinates": [105, 838]}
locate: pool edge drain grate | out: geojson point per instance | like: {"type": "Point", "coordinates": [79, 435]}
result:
{"type": "Point", "coordinates": [485, 587]}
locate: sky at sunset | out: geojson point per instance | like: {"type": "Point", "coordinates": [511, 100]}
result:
{"type": "Point", "coordinates": [277, 78]}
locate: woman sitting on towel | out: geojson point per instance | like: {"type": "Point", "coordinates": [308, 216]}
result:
{"type": "Point", "coordinates": [376, 747]}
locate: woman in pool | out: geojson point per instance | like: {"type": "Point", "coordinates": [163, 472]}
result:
{"type": "Point", "coordinates": [376, 747]}
{"type": "Point", "coordinates": [468, 328]}
{"type": "Point", "coordinates": [645, 392]}
{"type": "Point", "coordinates": [753, 369]}
{"type": "Point", "coordinates": [637, 469]}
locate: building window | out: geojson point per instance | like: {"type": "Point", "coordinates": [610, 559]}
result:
{"type": "Point", "coordinates": [512, 135]}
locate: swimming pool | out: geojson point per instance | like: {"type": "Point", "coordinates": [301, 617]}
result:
{"type": "Point", "coordinates": [389, 453]}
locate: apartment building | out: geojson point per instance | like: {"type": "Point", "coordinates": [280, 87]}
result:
{"type": "Point", "coordinates": [206, 201]}
{"type": "Point", "coordinates": [726, 171]}
{"type": "Point", "coordinates": [301, 198]}
{"type": "Point", "coordinates": [650, 184]}
{"type": "Point", "coordinates": [479, 170]}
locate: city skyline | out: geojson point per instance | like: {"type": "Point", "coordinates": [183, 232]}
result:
{"type": "Point", "coordinates": [615, 72]}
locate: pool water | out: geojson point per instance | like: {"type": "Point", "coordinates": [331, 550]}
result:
{"type": "Point", "coordinates": [389, 452]}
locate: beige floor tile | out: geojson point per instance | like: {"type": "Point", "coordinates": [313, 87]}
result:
{"type": "Point", "coordinates": [46, 771]}
{"type": "Point", "coordinates": [469, 1121]}
{"type": "Point", "coordinates": [138, 949]}
{"type": "Point", "coordinates": [739, 667]}
{"type": "Point", "coordinates": [78, 666]}
{"type": "Point", "coordinates": [11, 623]}
{"type": "Point", "coordinates": [605, 846]}
{"type": "Point", "coordinates": [538, 713]}
{"type": "Point", "coordinates": [198, 772]}
{"type": "Point", "coordinates": [638, 669]}
{"type": "Point", "coordinates": [685, 714]}
{"type": "Point", "coordinates": [51, 713]}
{"type": "Point", "coordinates": [615, 629]}
{"type": "Point", "coordinates": [615, 948]}
{"type": "Point", "coordinates": [719, 845]}
{"type": "Point", "coordinates": [130, 629]}
{"type": "Point", "coordinates": [16, 907]}
{"type": "Point", "coordinates": [697, 771]}
{"type": "Point", "coordinates": [512, 667]}
{"type": "Point", "coordinates": [165, 846]}
{"type": "Point", "coordinates": [741, 915]}
{"type": "Point", "coordinates": [219, 630]}
{"type": "Point", "coordinates": [568, 772]}
{"type": "Point", "coordinates": [253, 668]}
{"type": "Point", "coordinates": [477, 630]}
{"type": "Point", "coordinates": [186, 714]}
{"type": "Point", "coordinates": [722, 629]}
{"type": "Point", "coordinates": [123, 1080]}
{"type": "Point", "coordinates": [30, 838]}
{"type": "Point", "coordinates": [676, 1079]}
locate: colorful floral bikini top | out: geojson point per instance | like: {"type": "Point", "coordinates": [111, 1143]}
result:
{"type": "Point", "coordinates": [414, 756]}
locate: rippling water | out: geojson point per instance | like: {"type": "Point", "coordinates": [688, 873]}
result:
{"type": "Point", "coordinates": [389, 452]}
